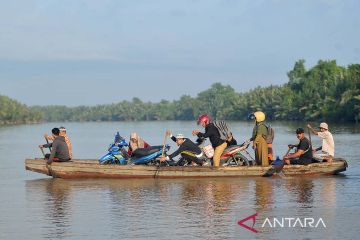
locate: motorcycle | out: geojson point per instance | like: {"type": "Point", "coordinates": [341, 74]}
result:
{"type": "Point", "coordinates": [236, 155]}
{"type": "Point", "coordinates": [117, 153]}
{"type": "Point", "coordinates": [148, 156]}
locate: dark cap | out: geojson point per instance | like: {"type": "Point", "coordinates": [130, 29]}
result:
{"type": "Point", "coordinates": [299, 130]}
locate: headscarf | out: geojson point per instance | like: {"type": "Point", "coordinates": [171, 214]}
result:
{"type": "Point", "coordinates": [139, 143]}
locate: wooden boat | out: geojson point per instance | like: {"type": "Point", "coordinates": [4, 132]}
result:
{"type": "Point", "coordinates": [92, 169]}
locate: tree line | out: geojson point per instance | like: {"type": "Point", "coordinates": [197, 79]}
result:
{"type": "Point", "coordinates": [326, 92]}
{"type": "Point", "coordinates": [13, 112]}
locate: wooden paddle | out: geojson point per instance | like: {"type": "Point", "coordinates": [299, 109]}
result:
{"type": "Point", "coordinates": [47, 141]}
{"type": "Point", "coordinates": [287, 151]}
{"type": "Point", "coordinates": [162, 155]}
{"type": "Point", "coordinates": [164, 143]}
{"type": "Point", "coordinates": [42, 150]}
{"type": "Point", "coordinates": [277, 169]}
{"type": "Point", "coordinates": [310, 137]}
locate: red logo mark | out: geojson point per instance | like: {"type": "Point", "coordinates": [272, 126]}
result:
{"type": "Point", "coordinates": [253, 217]}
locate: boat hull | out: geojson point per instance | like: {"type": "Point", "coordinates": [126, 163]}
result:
{"type": "Point", "coordinates": [92, 169]}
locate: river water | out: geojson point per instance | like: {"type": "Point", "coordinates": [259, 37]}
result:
{"type": "Point", "coordinates": [34, 206]}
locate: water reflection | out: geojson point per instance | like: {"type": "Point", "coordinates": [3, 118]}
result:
{"type": "Point", "coordinates": [193, 208]}
{"type": "Point", "coordinates": [301, 190]}
{"type": "Point", "coordinates": [54, 196]}
{"type": "Point", "coordinates": [264, 191]}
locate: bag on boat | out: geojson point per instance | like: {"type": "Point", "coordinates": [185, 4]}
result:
{"type": "Point", "coordinates": [208, 150]}
{"type": "Point", "coordinates": [270, 134]}
{"type": "Point", "coordinates": [225, 133]}
{"type": "Point", "coordinates": [269, 138]}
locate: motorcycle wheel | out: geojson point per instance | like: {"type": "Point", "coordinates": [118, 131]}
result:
{"type": "Point", "coordinates": [241, 160]}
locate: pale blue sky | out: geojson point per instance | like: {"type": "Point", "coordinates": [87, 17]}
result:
{"type": "Point", "coordinates": [87, 52]}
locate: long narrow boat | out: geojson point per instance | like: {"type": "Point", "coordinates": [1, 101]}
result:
{"type": "Point", "coordinates": [92, 169]}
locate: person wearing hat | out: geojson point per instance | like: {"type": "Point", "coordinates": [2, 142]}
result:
{"type": "Point", "coordinates": [258, 138]}
{"type": "Point", "coordinates": [62, 134]}
{"type": "Point", "coordinates": [188, 150]}
{"type": "Point", "coordinates": [328, 146]}
{"type": "Point", "coordinates": [303, 154]}
{"type": "Point", "coordinates": [213, 134]}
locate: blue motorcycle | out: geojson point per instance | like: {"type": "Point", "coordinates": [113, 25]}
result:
{"type": "Point", "coordinates": [147, 156]}
{"type": "Point", "coordinates": [117, 153]}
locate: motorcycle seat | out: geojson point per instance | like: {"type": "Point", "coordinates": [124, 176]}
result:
{"type": "Point", "coordinates": [141, 152]}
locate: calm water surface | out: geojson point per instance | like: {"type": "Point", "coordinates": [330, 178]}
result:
{"type": "Point", "coordinates": [34, 206]}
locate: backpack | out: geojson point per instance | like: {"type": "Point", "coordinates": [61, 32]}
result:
{"type": "Point", "coordinates": [270, 134]}
{"type": "Point", "coordinates": [225, 133]}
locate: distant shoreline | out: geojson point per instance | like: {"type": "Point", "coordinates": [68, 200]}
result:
{"type": "Point", "coordinates": [326, 92]}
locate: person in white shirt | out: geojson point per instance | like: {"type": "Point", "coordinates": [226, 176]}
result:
{"type": "Point", "coordinates": [328, 147]}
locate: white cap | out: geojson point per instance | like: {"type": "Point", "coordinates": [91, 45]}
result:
{"type": "Point", "coordinates": [180, 136]}
{"type": "Point", "coordinates": [324, 125]}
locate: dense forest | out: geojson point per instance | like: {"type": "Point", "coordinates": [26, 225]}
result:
{"type": "Point", "coordinates": [325, 92]}
{"type": "Point", "coordinates": [13, 112]}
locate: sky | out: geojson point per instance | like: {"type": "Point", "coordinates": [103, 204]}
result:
{"type": "Point", "coordinates": [89, 52]}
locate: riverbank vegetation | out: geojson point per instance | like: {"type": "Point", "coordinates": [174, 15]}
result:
{"type": "Point", "coordinates": [325, 92]}
{"type": "Point", "coordinates": [13, 112]}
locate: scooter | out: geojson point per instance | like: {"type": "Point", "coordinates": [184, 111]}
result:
{"type": "Point", "coordinates": [236, 155]}
{"type": "Point", "coordinates": [117, 153]}
{"type": "Point", "coordinates": [147, 156]}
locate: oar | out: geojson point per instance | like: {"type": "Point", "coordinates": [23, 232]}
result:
{"type": "Point", "coordinates": [162, 154]}
{"type": "Point", "coordinates": [310, 137]}
{"type": "Point", "coordinates": [164, 143]}
{"type": "Point", "coordinates": [287, 151]}
{"type": "Point", "coordinates": [279, 170]}
{"type": "Point", "coordinates": [42, 150]}
{"type": "Point", "coordinates": [47, 141]}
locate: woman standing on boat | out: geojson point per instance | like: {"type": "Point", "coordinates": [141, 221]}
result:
{"type": "Point", "coordinates": [213, 134]}
{"type": "Point", "coordinates": [258, 137]}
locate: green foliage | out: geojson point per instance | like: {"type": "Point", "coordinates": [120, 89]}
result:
{"type": "Point", "coordinates": [325, 92]}
{"type": "Point", "coordinates": [13, 112]}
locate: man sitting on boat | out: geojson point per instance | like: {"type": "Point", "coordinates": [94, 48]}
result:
{"type": "Point", "coordinates": [328, 147]}
{"type": "Point", "coordinates": [189, 151]}
{"type": "Point", "coordinates": [303, 154]}
{"type": "Point", "coordinates": [63, 134]}
{"type": "Point", "coordinates": [59, 151]}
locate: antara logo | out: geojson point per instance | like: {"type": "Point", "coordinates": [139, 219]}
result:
{"type": "Point", "coordinates": [283, 222]}
{"type": "Point", "coordinates": [253, 217]}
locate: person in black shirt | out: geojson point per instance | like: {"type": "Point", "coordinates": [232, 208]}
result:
{"type": "Point", "coordinates": [213, 134]}
{"type": "Point", "coordinates": [189, 151]}
{"type": "Point", "coordinates": [303, 154]}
